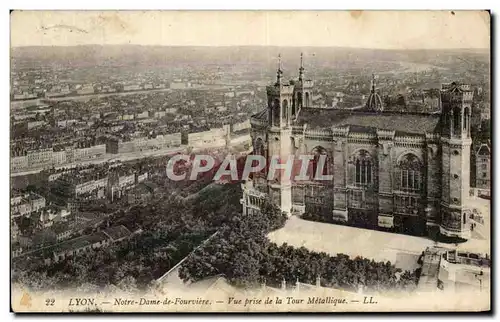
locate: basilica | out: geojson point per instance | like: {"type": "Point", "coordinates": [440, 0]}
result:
{"type": "Point", "coordinates": [403, 172]}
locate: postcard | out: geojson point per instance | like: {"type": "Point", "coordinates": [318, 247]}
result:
{"type": "Point", "coordinates": [250, 161]}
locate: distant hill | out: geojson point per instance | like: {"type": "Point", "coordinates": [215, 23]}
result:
{"type": "Point", "coordinates": [171, 56]}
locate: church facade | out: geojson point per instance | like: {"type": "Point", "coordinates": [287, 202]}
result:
{"type": "Point", "coordinates": [405, 172]}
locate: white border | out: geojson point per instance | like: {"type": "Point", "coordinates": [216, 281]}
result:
{"type": "Point", "coordinates": [190, 4]}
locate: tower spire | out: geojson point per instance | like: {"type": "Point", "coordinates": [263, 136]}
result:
{"type": "Point", "coordinates": [280, 71]}
{"type": "Point", "coordinates": [373, 83]}
{"type": "Point", "coordinates": [301, 69]}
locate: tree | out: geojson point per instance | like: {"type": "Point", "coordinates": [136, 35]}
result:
{"type": "Point", "coordinates": [128, 284]}
{"type": "Point", "coordinates": [25, 225]}
{"type": "Point", "coordinates": [400, 100]}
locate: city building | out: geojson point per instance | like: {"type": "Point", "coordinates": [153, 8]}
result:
{"type": "Point", "coordinates": [406, 172]}
{"type": "Point", "coordinates": [83, 185]}
{"type": "Point", "coordinates": [48, 216]}
{"type": "Point", "coordinates": [116, 145]}
{"type": "Point", "coordinates": [140, 194]}
{"type": "Point", "coordinates": [483, 167]}
{"type": "Point", "coordinates": [120, 184]}
{"type": "Point", "coordinates": [117, 233]}
{"type": "Point", "coordinates": [25, 204]}
{"type": "Point", "coordinates": [18, 163]}
{"type": "Point", "coordinates": [80, 245]}
{"type": "Point", "coordinates": [90, 152]}
{"type": "Point", "coordinates": [215, 137]}
{"type": "Point", "coordinates": [464, 271]}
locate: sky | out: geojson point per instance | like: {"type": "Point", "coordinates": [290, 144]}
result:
{"type": "Point", "coordinates": [360, 29]}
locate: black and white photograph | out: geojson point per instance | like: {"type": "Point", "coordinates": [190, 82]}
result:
{"type": "Point", "coordinates": [250, 161]}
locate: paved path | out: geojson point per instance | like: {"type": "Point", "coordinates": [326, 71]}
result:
{"type": "Point", "coordinates": [353, 241]}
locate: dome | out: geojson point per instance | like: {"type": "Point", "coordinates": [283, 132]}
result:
{"type": "Point", "coordinates": [374, 102]}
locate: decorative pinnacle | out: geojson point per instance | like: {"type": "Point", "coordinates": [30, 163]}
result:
{"type": "Point", "coordinates": [301, 69]}
{"type": "Point", "coordinates": [280, 71]}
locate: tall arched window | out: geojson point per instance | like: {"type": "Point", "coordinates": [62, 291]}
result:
{"type": "Point", "coordinates": [307, 99]}
{"type": "Point", "coordinates": [456, 120]}
{"type": "Point", "coordinates": [259, 147]}
{"type": "Point", "coordinates": [411, 173]}
{"type": "Point", "coordinates": [299, 100]}
{"type": "Point", "coordinates": [358, 171]}
{"type": "Point", "coordinates": [466, 118]}
{"type": "Point", "coordinates": [446, 120]}
{"type": "Point", "coordinates": [319, 152]}
{"type": "Point", "coordinates": [363, 168]}
{"type": "Point", "coordinates": [285, 109]}
{"type": "Point", "coordinates": [276, 112]}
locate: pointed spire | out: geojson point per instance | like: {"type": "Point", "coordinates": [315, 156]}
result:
{"type": "Point", "coordinates": [301, 69]}
{"type": "Point", "coordinates": [280, 71]}
{"type": "Point", "coordinates": [373, 83]}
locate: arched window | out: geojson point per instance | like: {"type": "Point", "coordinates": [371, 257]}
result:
{"type": "Point", "coordinates": [319, 152]}
{"type": "Point", "coordinates": [307, 99]}
{"type": "Point", "coordinates": [446, 119]}
{"type": "Point", "coordinates": [358, 171]}
{"type": "Point", "coordinates": [285, 109]}
{"type": "Point", "coordinates": [411, 173]}
{"type": "Point", "coordinates": [368, 172]}
{"type": "Point", "coordinates": [299, 99]}
{"type": "Point", "coordinates": [466, 118]}
{"type": "Point", "coordinates": [259, 147]}
{"type": "Point", "coordinates": [456, 120]}
{"type": "Point", "coordinates": [363, 168]}
{"type": "Point", "coordinates": [276, 112]}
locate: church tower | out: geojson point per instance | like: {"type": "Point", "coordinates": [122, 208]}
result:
{"type": "Point", "coordinates": [302, 96]}
{"type": "Point", "coordinates": [279, 143]}
{"type": "Point", "coordinates": [456, 103]}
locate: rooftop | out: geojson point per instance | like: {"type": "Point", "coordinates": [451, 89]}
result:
{"type": "Point", "coordinates": [80, 242]}
{"type": "Point", "coordinates": [417, 123]}
{"type": "Point", "coordinates": [117, 232]}
{"type": "Point", "coordinates": [484, 149]}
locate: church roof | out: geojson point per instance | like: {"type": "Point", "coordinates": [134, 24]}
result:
{"type": "Point", "coordinates": [261, 116]}
{"type": "Point", "coordinates": [484, 149]}
{"type": "Point", "coordinates": [362, 121]}
{"type": "Point", "coordinates": [456, 87]}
